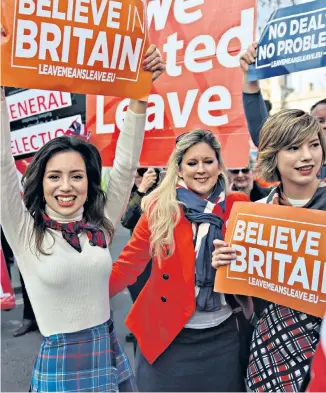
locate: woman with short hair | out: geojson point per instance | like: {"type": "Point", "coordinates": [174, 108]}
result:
{"type": "Point", "coordinates": [292, 149]}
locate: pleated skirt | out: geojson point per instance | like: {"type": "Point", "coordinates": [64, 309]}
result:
{"type": "Point", "coordinates": [91, 360]}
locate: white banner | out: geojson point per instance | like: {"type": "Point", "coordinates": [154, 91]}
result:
{"type": "Point", "coordinates": [31, 139]}
{"type": "Point", "coordinates": [33, 102]}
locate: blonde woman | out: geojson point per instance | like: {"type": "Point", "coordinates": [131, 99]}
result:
{"type": "Point", "coordinates": [292, 149]}
{"type": "Point", "coordinates": [187, 335]}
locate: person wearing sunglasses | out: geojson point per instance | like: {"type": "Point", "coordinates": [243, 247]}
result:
{"type": "Point", "coordinates": [187, 334]}
{"type": "Point", "coordinates": [242, 179]}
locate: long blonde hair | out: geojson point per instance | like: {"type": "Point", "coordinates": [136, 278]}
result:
{"type": "Point", "coordinates": [161, 205]}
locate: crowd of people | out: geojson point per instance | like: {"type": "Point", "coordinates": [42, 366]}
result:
{"type": "Point", "coordinates": [187, 337]}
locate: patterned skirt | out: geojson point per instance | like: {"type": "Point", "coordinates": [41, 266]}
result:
{"type": "Point", "coordinates": [91, 360]}
{"type": "Point", "coordinates": [283, 343]}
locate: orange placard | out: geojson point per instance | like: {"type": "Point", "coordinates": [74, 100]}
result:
{"type": "Point", "coordinates": [281, 256]}
{"type": "Point", "coordinates": [202, 87]}
{"type": "Point", "coordinates": [91, 47]}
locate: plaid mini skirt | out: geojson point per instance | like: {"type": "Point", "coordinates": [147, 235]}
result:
{"type": "Point", "coordinates": [283, 343]}
{"type": "Point", "coordinates": [91, 360]}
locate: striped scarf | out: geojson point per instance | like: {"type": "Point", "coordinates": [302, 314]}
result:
{"type": "Point", "coordinates": [71, 230]}
{"type": "Point", "coordinates": [205, 216]}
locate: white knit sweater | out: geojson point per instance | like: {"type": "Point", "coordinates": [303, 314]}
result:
{"type": "Point", "coordinates": [68, 290]}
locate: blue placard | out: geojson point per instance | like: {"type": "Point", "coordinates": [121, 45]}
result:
{"type": "Point", "coordinates": [294, 39]}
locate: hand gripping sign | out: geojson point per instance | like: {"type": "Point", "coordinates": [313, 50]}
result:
{"type": "Point", "coordinates": [281, 256]}
{"type": "Point", "coordinates": [93, 46]}
{"type": "Point", "coordinates": [294, 39]}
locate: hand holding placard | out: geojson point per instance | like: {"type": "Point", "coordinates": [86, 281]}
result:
{"type": "Point", "coordinates": [294, 39]}
{"type": "Point", "coordinates": [99, 44]}
{"type": "Point", "coordinates": [279, 258]}
{"type": "Point", "coordinates": [154, 62]}
{"type": "Point", "coordinates": [223, 254]}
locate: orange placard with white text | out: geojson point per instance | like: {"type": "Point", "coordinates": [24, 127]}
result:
{"type": "Point", "coordinates": [90, 47]}
{"type": "Point", "coordinates": [202, 87]}
{"type": "Point", "coordinates": [281, 256]}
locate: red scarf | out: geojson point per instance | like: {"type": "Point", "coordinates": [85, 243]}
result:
{"type": "Point", "coordinates": [71, 230]}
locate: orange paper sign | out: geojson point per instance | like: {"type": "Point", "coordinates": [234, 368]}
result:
{"type": "Point", "coordinates": [93, 47]}
{"type": "Point", "coordinates": [281, 256]}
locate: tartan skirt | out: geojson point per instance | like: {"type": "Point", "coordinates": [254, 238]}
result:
{"type": "Point", "coordinates": [282, 346]}
{"type": "Point", "coordinates": [91, 360]}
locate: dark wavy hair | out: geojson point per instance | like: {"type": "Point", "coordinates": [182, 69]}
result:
{"type": "Point", "coordinates": [32, 182]}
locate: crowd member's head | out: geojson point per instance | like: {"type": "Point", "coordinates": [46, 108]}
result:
{"type": "Point", "coordinates": [318, 110]}
{"type": "Point", "coordinates": [292, 150]}
{"type": "Point", "coordinates": [65, 175]}
{"type": "Point", "coordinates": [197, 162]}
{"type": "Point", "coordinates": [242, 179]}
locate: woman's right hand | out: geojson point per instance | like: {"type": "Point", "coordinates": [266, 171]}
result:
{"type": "Point", "coordinates": [248, 57]}
{"type": "Point", "coordinates": [223, 254]}
{"type": "Point", "coordinates": [148, 180]}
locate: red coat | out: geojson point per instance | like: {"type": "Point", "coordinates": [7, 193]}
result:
{"type": "Point", "coordinates": [168, 299]}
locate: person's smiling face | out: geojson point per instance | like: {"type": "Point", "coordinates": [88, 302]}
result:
{"type": "Point", "coordinates": [200, 169]}
{"type": "Point", "coordinates": [65, 182]}
{"type": "Point", "coordinates": [299, 165]}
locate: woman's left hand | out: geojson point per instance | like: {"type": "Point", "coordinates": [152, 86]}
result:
{"type": "Point", "coordinates": [153, 62]}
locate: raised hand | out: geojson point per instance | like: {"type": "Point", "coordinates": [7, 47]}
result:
{"type": "Point", "coordinates": [153, 62]}
{"type": "Point", "coordinates": [248, 57]}
{"type": "Point", "coordinates": [148, 181]}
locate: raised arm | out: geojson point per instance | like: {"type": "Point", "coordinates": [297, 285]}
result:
{"type": "Point", "coordinates": [125, 162]}
{"type": "Point", "coordinates": [253, 103]}
{"type": "Point", "coordinates": [132, 260]}
{"type": "Point", "coordinates": [15, 220]}
{"type": "Point", "coordinates": [129, 146]}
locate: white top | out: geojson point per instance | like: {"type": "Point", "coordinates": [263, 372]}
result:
{"type": "Point", "coordinates": [298, 202]}
{"type": "Point", "coordinates": [205, 320]}
{"type": "Point", "coordinates": [68, 290]}
{"type": "Point", "coordinates": [293, 202]}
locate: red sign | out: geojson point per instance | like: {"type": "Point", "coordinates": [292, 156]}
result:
{"type": "Point", "coordinates": [201, 42]}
